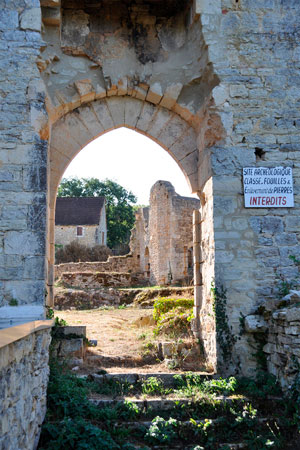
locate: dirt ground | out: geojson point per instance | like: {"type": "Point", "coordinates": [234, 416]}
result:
{"type": "Point", "coordinates": [125, 341]}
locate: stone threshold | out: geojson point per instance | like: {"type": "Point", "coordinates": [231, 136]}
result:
{"type": "Point", "coordinates": [13, 334]}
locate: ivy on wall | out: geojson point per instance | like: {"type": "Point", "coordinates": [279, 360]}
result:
{"type": "Point", "coordinates": [225, 338]}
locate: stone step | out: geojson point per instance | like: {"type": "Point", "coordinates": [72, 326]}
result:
{"type": "Point", "coordinates": [238, 446]}
{"type": "Point", "coordinates": [153, 404]}
{"type": "Point", "coordinates": [134, 378]}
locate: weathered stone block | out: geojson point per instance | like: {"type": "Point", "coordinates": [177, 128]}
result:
{"type": "Point", "coordinates": [272, 225]}
{"type": "Point", "coordinates": [71, 348]}
{"type": "Point", "coordinates": [79, 330]}
{"type": "Point", "coordinates": [31, 19]}
{"type": "Point", "coordinates": [292, 330]}
{"type": "Point", "coordinates": [23, 243]}
{"type": "Point", "coordinates": [292, 314]}
{"type": "Point", "coordinates": [286, 239]}
{"type": "Point", "coordinates": [255, 324]}
{"type": "Point", "coordinates": [238, 90]}
{"type": "Point", "coordinates": [8, 19]}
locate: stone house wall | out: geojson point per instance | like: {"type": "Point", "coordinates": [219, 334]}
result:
{"type": "Point", "coordinates": [91, 235]}
{"type": "Point", "coordinates": [24, 375]}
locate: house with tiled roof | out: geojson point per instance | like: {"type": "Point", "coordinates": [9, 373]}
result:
{"type": "Point", "coordinates": [81, 219]}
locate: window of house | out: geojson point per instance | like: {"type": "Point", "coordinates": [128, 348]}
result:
{"type": "Point", "coordinates": [79, 231]}
{"type": "Point", "coordinates": [102, 237]}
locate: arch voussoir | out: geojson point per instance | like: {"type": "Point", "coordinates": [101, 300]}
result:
{"type": "Point", "coordinates": [86, 114]}
{"type": "Point", "coordinates": [147, 113]}
{"type": "Point", "coordinates": [74, 131]}
{"type": "Point", "coordinates": [159, 122]}
{"type": "Point", "coordinates": [173, 130]}
{"type": "Point", "coordinates": [103, 114]}
{"type": "Point", "coordinates": [133, 109]}
{"type": "Point", "coordinates": [116, 106]}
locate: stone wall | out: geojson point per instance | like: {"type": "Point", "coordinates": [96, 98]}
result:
{"type": "Point", "coordinates": [66, 234]}
{"type": "Point", "coordinates": [275, 331]}
{"type": "Point", "coordinates": [207, 316]}
{"type": "Point", "coordinates": [24, 375]}
{"type": "Point", "coordinates": [126, 263]}
{"type": "Point", "coordinates": [139, 241]}
{"type": "Point", "coordinates": [163, 235]}
{"type": "Point", "coordinates": [254, 48]}
{"type": "Point", "coordinates": [283, 345]}
{"type": "Point", "coordinates": [23, 162]}
{"type": "Point", "coordinates": [92, 280]}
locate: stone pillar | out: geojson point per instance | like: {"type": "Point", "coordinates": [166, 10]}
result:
{"type": "Point", "coordinates": [197, 272]}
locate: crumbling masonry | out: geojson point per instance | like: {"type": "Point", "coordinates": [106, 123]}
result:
{"type": "Point", "coordinates": [162, 239]}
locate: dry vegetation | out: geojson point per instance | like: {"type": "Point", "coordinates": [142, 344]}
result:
{"type": "Point", "coordinates": [76, 252]}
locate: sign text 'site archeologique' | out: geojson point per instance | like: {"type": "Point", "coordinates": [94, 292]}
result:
{"type": "Point", "coordinates": [268, 187]}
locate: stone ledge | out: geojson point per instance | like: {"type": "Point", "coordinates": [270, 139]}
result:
{"type": "Point", "coordinates": [13, 334]}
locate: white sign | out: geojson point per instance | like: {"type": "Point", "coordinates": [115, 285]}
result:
{"type": "Point", "coordinates": [266, 187]}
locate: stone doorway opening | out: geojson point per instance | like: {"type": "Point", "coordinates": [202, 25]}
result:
{"type": "Point", "coordinates": [168, 192]}
{"type": "Point", "coordinates": [72, 132]}
{"type": "Point", "coordinates": [150, 67]}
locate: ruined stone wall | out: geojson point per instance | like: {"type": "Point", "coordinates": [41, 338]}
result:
{"type": "Point", "coordinates": [170, 233]}
{"type": "Point", "coordinates": [160, 232]}
{"type": "Point", "coordinates": [95, 280]}
{"type": "Point", "coordinates": [283, 345]}
{"type": "Point", "coordinates": [23, 162]}
{"type": "Point", "coordinates": [24, 375]}
{"type": "Point", "coordinates": [182, 236]}
{"type": "Point", "coordinates": [126, 263]}
{"type": "Point", "coordinates": [139, 240]}
{"type": "Point", "coordinates": [125, 48]}
{"type": "Point", "coordinates": [67, 234]}
{"type": "Point", "coordinates": [275, 328]}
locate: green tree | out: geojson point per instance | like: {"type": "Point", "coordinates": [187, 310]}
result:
{"type": "Point", "coordinates": [119, 204]}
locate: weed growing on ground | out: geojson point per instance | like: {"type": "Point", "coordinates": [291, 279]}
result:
{"type": "Point", "coordinates": [73, 422]}
{"type": "Point", "coordinates": [154, 386]}
{"type": "Point", "coordinates": [173, 316]}
{"type": "Point", "coordinates": [142, 336]}
{"type": "Point", "coordinates": [60, 322]}
{"type": "Point", "coordinates": [161, 430]}
{"type": "Point", "coordinates": [163, 305]}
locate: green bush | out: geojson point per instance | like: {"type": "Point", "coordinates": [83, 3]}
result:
{"type": "Point", "coordinates": [173, 316]}
{"type": "Point", "coordinates": [176, 323]}
{"type": "Point", "coordinates": [162, 305]}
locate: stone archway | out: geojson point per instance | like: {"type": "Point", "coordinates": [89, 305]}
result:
{"type": "Point", "coordinates": [76, 129]}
